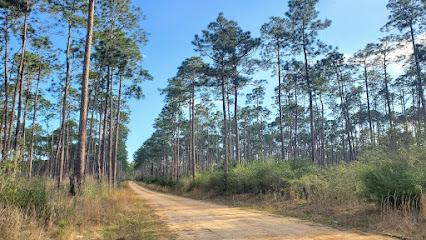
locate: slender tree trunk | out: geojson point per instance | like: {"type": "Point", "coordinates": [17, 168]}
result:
{"type": "Point", "coordinates": [89, 154]}
{"type": "Point", "coordinates": [6, 85]}
{"type": "Point", "coordinates": [61, 142]}
{"type": "Point", "coordinates": [24, 122]}
{"type": "Point", "coordinates": [8, 133]}
{"type": "Point", "coordinates": [30, 161]}
{"type": "Point", "coordinates": [418, 71]}
{"type": "Point", "coordinates": [345, 112]}
{"type": "Point", "coordinates": [237, 130]}
{"type": "Point", "coordinates": [110, 170]}
{"type": "Point", "coordinates": [117, 126]}
{"type": "Point", "coordinates": [387, 95]}
{"type": "Point", "coordinates": [192, 129]}
{"type": "Point", "coordinates": [81, 153]}
{"type": "Point", "coordinates": [295, 123]}
{"type": "Point", "coordinates": [279, 102]}
{"type": "Point", "coordinates": [368, 103]}
{"type": "Point", "coordinates": [104, 134]}
{"type": "Point", "coordinates": [178, 152]}
{"type": "Point", "coordinates": [225, 125]}
{"type": "Point", "coordinates": [323, 162]}
{"type": "Point", "coordinates": [100, 142]}
{"type": "Point", "coordinates": [21, 83]}
{"type": "Point", "coordinates": [228, 103]}
{"type": "Point", "coordinates": [51, 158]}
{"type": "Point", "coordinates": [311, 110]}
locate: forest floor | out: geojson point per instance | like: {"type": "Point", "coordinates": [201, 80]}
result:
{"type": "Point", "coordinates": [194, 219]}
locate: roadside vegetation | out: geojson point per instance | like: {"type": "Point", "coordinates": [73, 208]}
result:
{"type": "Point", "coordinates": [383, 192]}
{"type": "Point", "coordinates": [39, 210]}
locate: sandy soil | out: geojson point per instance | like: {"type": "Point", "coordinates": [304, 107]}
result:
{"type": "Point", "coordinates": [192, 219]}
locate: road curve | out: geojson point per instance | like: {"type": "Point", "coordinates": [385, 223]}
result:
{"type": "Point", "coordinates": [192, 219]}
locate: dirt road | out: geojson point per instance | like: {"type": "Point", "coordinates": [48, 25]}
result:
{"type": "Point", "coordinates": [192, 219]}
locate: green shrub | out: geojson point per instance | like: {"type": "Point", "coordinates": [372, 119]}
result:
{"type": "Point", "coordinates": [301, 167]}
{"type": "Point", "coordinates": [391, 180]}
{"type": "Point", "coordinates": [260, 178]}
{"type": "Point", "coordinates": [309, 187]}
{"type": "Point", "coordinates": [164, 181]}
{"type": "Point", "coordinates": [32, 196]}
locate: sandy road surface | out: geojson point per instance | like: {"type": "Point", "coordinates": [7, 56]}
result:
{"type": "Point", "coordinates": [192, 219]}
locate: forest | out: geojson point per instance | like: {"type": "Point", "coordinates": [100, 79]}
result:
{"type": "Point", "coordinates": [338, 130]}
{"type": "Point", "coordinates": [342, 129]}
{"type": "Point", "coordinates": [329, 108]}
{"type": "Point", "coordinates": [69, 69]}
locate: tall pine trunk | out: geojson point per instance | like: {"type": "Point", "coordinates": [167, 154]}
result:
{"type": "Point", "coordinates": [6, 85]}
{"type": "Point", "coordinates": [117, 126]}
{"type": "Point", "coordinates": [110, 136]}
{"type": "Point", "coordinates": [30, 161]}
{"type": "Point", "coordinates": [237, 130]}
{"type": "Point", "coordinates": [21, 83]}
{"type": "Point", "coordinates": [76, 181]}
{"type": "Point", "coordinates": [279, 103]}
{"type": "Point", "coordinates": [368, 103]}
{"type": "Point", "coordinates": [225, 125]}
{"type": "Point", "coordinates": [61, 142]}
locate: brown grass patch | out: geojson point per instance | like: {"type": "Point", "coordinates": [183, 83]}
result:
{"type": "Point", "coordinates": [97, 214]}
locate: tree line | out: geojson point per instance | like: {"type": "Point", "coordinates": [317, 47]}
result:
{"type": "Point", "coordinates": [328, 107]}
{"type": "Point", "coordinates": [69, 68]}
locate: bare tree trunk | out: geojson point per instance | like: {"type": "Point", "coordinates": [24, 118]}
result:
{"type": "Point", "coordinates": [100, 141]}
{"type": "Point", "coordinates": [64, 107]}
{"type": "Point", "coordinates": [279, 103]}
{"type": "Point", "coordinates": [192, 130]}
{"type": "Point", "coordinates": [295, 124]}
{"type": "Point", "coordinates": [311, 110]}
{"type": "Point", "coordinates": [110, 137]}
{"type": "Point", "coordinates": [76, 180]}
{"type": "Point", "coordinates": [117, 127]}
{"type": "Point", "coordinates": [178, 153]}
{"type": "Point", "coordinates": [21, 84]}
{"type": "Point", "coordinates": [24, 122]}
{"type": "Point", "coordinates": [418, 71]}
{"type": "Point", "coordinates": [345, 113]}
{"type": "Point", "coordinates": [30, 161]}
{"type": "Point", "coordinates": [104, 147]}
{"type": "Point", "coordinates": [90, 147]}
{"type": "Point", "coordinates": [368, 103]}
{"type": "Point", "coordinates": [387, 95]}
{"type": "Point", "coordinates": [8, 133]}
{"type": "Point", "coordinates": [6, 85]}
{"type": "Point", "coordinates": [237, 131]}
{"type": "Point", "coordinates": [225, 125]}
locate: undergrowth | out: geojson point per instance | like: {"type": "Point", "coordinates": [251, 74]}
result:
{"type": "Point", "coordinates": [39, 210]}
{"type": "Point", "coordinates": [384, 191]}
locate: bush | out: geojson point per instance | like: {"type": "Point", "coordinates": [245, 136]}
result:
{"type": "Point", "coordinates": [163, 181]}
{"type": "Point", "coordinates": [391, 180]}
{"type": "Point", "coordinates": [309, 187]}
{"type": "Point", "coordinates": [33, 195]}
{"type": "Point", "coordinates": [260, 178]}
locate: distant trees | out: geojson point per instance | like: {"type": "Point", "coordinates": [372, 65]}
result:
{"type": "Point", "coordinates": [329, 106]}
{"type": "Point", "coordinates": [226, 45]}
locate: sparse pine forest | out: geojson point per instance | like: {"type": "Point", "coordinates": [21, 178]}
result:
{"type": "Point", "coordinates": [279, 120]}
{"type": "Point", "coordinates": [69, 69]}
{"type": "Point", "coordinates": [338, 130]}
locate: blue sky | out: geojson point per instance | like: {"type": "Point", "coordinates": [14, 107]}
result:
{"type": "Point", "coordinates": [172, 25]}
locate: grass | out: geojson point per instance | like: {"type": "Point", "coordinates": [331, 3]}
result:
{"type": "Point", "coordinates": [97, 214]}
{"type": "Point", "coordinates": [349, 214]}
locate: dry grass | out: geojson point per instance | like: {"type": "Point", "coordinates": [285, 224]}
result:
{"type": "Point", "coordinates": [18, 224]}
{"type": "Point", "coordinates": [97, 214]}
